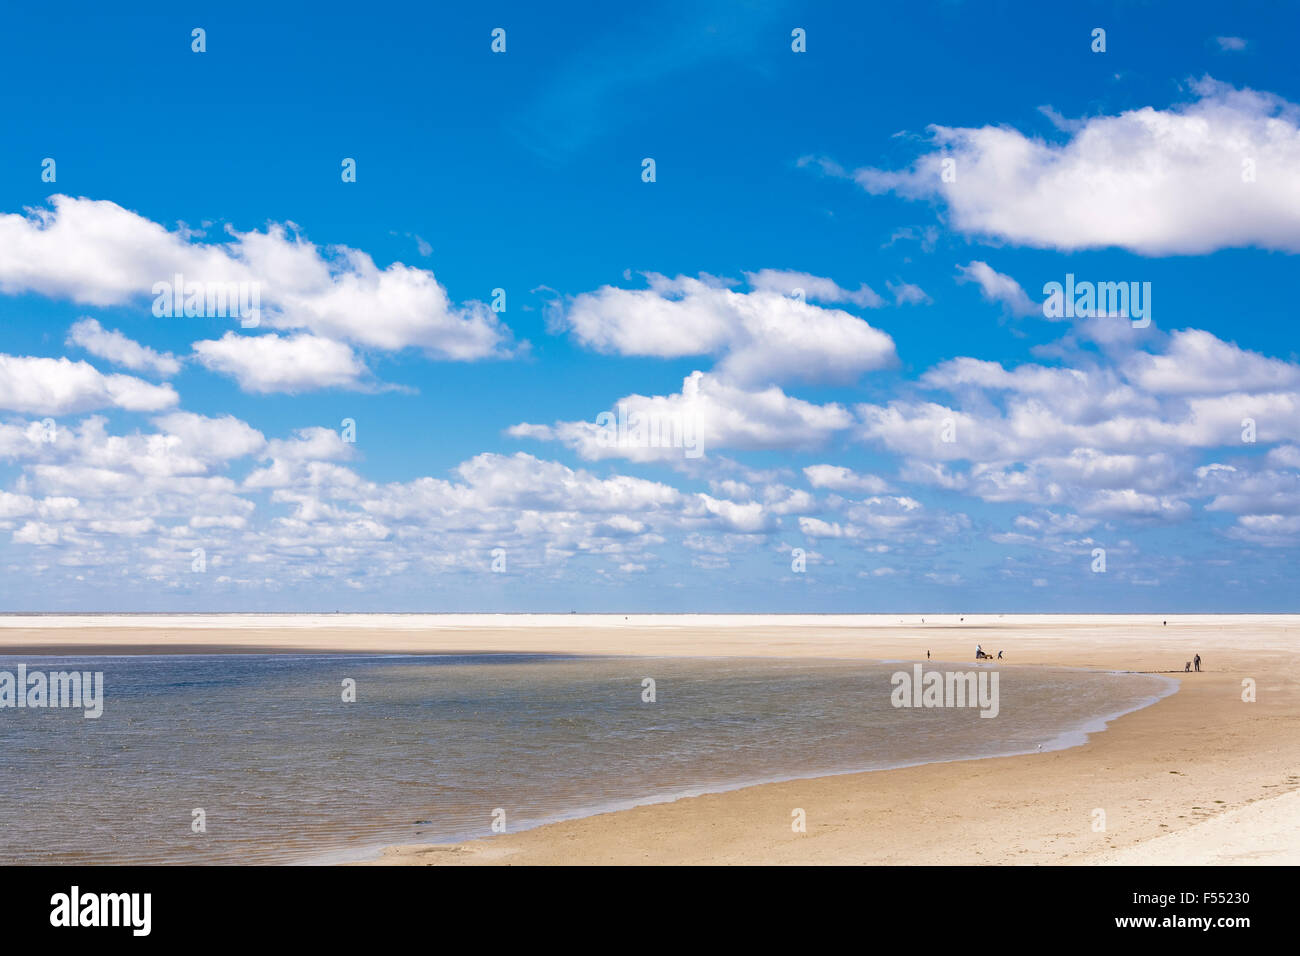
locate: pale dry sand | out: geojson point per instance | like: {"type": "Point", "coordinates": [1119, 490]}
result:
{"type": "Point", "coordinates": [1184, 780]}
{"type": "Point", "coordinates": [1266, 831]}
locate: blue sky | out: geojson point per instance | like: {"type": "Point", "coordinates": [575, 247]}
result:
{"type": "Point", "coordinates": [170, 463]}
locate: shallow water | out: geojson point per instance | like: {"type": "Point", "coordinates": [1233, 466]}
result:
{"type": "Point", "coordinates": [285, 771]}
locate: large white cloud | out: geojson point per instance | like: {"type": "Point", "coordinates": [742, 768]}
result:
{"type": "Point", "coordinates": [47, 386]}
{"type": "Point", "coordinates": [211, 439]}
{"type": "Point", "coordinates": [275, 363]}
{"type": "Point", "coordinates": [761, 337]}
{"type": "Point", "coordinates": [1214, 173]}
{"type": "Point", "coordinates": [707, 415]}
{"type": "Point", "coordinates": [115, 347]}
{"type": "Point", "coordinates": [839, 478]}
{"type": "Point", "coordinates": [96, 252]}
{"type": "Point", "coordinates": [1197, 362]}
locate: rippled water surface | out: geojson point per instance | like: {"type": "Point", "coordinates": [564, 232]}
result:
{"type": "Point", "coordinates": [286, 771]}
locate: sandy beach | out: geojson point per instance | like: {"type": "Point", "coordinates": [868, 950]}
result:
{"type": "Point", "coordinates": [1199, 777]}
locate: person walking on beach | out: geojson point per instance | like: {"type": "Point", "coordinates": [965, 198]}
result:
{"type": "Point", "coordinates": [1197, 662]}
{"type": "Point", "coordinates": [927, 655]}
{"type": "Point", "coordinates": [999, 655]}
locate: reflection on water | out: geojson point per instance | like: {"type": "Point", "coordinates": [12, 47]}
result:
{"type": "Point", "coordinates": [284, 770]}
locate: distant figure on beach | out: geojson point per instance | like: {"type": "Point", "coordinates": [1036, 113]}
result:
{"type": "Point", "coordinates": [1187, 668]}
{"type": "Point", "coordinates": [1197, 661]}
{"type": "Point", "coordinates": [999, 655]}
{"type": "Point", "coordinates": [927, 655]}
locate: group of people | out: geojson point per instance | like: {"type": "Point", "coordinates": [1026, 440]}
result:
{"type": "Point", "coordinates": [980, 655]}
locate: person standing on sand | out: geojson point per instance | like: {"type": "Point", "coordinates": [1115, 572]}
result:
{"type": "Point", "coordinates": [1197, 662]}
{"type": "Point", "coordinates": [927, 655]}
